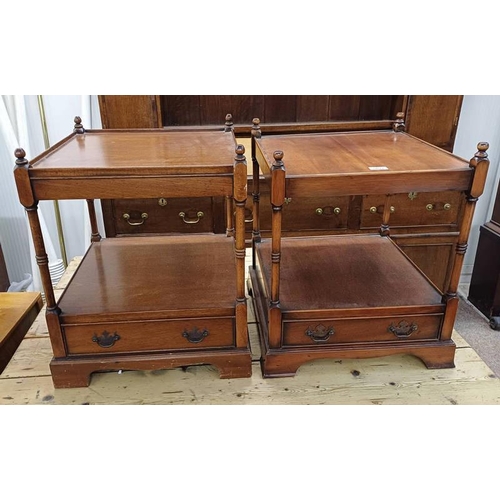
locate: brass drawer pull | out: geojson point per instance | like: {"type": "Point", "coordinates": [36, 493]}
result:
{"type": "Point", "coordinates": [431, 206]}
{"type": "Point", "coordinates": [374, 210]}
{"type": "Point", "coordinates": [328, 211]}
{"type": "Point", "coordinates": [199, 216]}
{"type": "Point", "coordinates": [320, 334]}
{"type": "Point", "coordinates": [195, 336]}
{"type": "Point", "coordinates": [403, 329]}
{"type": "Point", "coordinates": [106, 339]}
{"type": "Point", "coordinates": [249, 220]}
{"type": "Point", "coordinates": [144, 216]}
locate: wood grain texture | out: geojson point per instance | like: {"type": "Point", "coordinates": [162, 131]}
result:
{"type": "Point", "coordinates": [109, 151]}
{"type": "Point", "coordinates": [355, 152]}
{"type": "Point", "coordinates": [399, 379]}
{"type": "Point", "coordinates": [141, 276]}
{"type": "Point", "coordinates": [18, 310]}
{"type": "Point", "coordinates": [345, 272]}
{"type": "Point", "coordinates": [130, 111]}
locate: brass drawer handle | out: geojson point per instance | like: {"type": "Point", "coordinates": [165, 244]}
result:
{"type": "Point", "coordinates": [403, 329]}
{"type": "Point", "coordinates": [328, 211]}
{"type": "Point", "coordinates": [199, 216]}
{"type": "Point", "coordinates": [374, 210]}
{"type": "Point", "coordinates": [431, 206]}
{"type": "Point", "coordinates": [195, 336]}
{"type": "Point", "coordinates": [321, 333]}
{"type": "Point", "coordinates": [106, 339]}
{"type": "Point", "coordinates": [144, 216]}
{"type": "Point", "coordinates": [249, 220]}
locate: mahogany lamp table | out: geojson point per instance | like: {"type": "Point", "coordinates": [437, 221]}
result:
{"type": "Point", "coordinates": [354, 295]}
{"type": "Point", "coordinates": [144, 302]}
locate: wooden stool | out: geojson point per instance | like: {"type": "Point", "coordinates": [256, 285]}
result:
{"type": "Point", "coordinates": [18, 310]}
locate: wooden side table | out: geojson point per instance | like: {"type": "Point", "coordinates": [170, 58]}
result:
{"type": "Point", "coordinates": [18, 310]}
{"type": "Point", "coordinates": [354, 295]}
{"type": "Point", "coordinates": [144, 302]}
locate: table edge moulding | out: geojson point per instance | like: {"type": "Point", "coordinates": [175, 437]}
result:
{"type": "Point", "coordinates": [124, 312]}
{"type": "Point", "coordinates": [353, 295]}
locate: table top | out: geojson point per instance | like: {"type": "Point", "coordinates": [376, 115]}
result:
{"type": "Point", "coordinates": [13, 308]}
{"type": "Point", "coordinates": [154, 151]}
{"type": "Point", "coordinates": [371, 152]}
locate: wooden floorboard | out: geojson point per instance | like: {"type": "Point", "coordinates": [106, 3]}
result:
{"type": "Point", "coordinates": [394, 380]}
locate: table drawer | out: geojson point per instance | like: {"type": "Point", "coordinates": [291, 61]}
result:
{"type": "Point", "coordinates": [164, 215]}
{"type": "Point", "coordinates": [356, 330]}
{"type": "Point", "coordinates": [136, 336]}
{"type": "Point", "coordinates": [413, 209]}
{"type": "Point", "coordinates": [304, 214]}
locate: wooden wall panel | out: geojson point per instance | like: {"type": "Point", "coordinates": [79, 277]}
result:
{"type": "Point", "coordinates": [178, 110]}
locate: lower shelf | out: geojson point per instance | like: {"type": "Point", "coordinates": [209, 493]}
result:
{"type": "Point", "coordinates": [150, 303]}
{"type": "Point", "coordinates": [346, 297]}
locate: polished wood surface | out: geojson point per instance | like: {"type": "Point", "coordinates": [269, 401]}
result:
{"type": "Point", "coordinates": [343, 284]}
{"type": "Point", "coordinates": [355, 153]}
{"type": "Point", "coordinates": [153, 275]}
{"type": "Point", "coordinates": [18, 310]}
{"type": "Point", "coordinates": [341, 272]}
{"type": "Point", "coordinates": [149, 280]}
{"type": "Point", "coordinates": [206, 152]}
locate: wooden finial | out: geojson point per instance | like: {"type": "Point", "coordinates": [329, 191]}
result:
{"type": "Point", "coordinates": [399, 123]}
{"type": "Point", "coordinates": [482, 147]}
{"type": "Point", "coordinates": [256, 132]}
{"type": "Point", "coordinates": [278, 159]}
{"type": "Point", "coordinates": [240, 152]}
{"type": "Point", "coordinates": [78, 126]}
{"type": "Point", "coordinates": [229, 123]}
{"type": "Point", "coordinates": [20, 154]}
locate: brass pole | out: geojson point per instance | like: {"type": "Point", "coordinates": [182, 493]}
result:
{"type": "Point", "coordinates": [57, 212]}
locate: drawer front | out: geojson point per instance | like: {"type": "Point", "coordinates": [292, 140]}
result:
{"type": "Point", "coordinates": [163, 215]}
{"type": "Point", "coordinates": [105, 338]}
{"type": "Point", "coordinates": [413, 209]}
{"type": "Point", "coordinates": [303, 214]}
{"type": "Point", "coordinates": [356, 330]}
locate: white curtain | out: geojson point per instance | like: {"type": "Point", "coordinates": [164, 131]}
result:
{"type": "Point", "coordinates": [20, 126]}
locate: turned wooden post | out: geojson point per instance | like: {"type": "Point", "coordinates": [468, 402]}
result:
{"type": "Point", "coordinates": [399, 123]}
{"type": "Point", "coordinates": [228, 127]}
{"type": "Point", "coordinates": [95, 236]}
{"type": "Point", "coordinates": [479, 163]}
{"type": "Point", "coordinates": [388, 209]}
{"type": "Point", "coordinates": [30, 203]}
{"type": "Point", "coordinates": [78, 128]}
{"type": "Point", "coordinates": [277, 199]}
{"type": "Point", "coordinates": [256, 134]}
{"type": "Point", "coordinates": [240, 198]}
